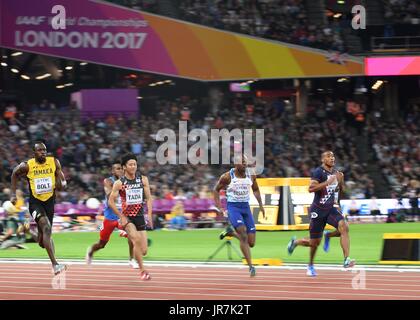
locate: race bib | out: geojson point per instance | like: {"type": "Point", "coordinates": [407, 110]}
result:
{"type": "Point", "coordinates": [43, 185]}
{"type": "Point", "coordinates": [134, 196]}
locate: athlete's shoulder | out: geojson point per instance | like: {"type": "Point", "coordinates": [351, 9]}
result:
{"type": "Point", "coordinates": [110, 179]}
{"type": "Point", "coordinates": [317, 173]}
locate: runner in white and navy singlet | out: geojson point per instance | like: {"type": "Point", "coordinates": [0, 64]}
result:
{"type": "Point", "coordinates": [238, 182]}
{"type": "Point", "coordinates": [326, 183]}
{"type": "Point", "coordinates": [322, 210]}
{"type": "Point", "coordinates": [237, 194]}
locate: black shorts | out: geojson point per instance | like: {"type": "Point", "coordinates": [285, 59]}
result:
{"type": "Point", "coordinates": [320, 217]}
{"type": "Point", "coordinates": [38, 208]}
{"type": "Point", "coordinates": [138, 221]}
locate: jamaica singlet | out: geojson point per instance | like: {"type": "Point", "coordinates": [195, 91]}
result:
{"type": "Point", "coordinates": [132, 196]}
{"type": "Point", "coordinates": [41, 178]}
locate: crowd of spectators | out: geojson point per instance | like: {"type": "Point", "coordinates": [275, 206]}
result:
{"type": "Point", "coordinates": [397, 148]}
{"type": "Point", "coordinates": [86, 148]}
{"type": "Point", "coordinates": [145, 5]}
{"type": "Point", "coordinates": [282, 20]}
{"type": "Point", "coordinates": [402, 11]}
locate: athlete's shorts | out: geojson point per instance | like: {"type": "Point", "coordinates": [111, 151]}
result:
{"type": "Point", "coordinates": [107, 228]}
{"type": "Point", "coordinates": [138, 221]}
{"type": "Point", "coordinates": [320, 217]}
{"type": "Point", "coordinates": [239, 213]}
{"type": "Point", "coordinates": [38, 208]}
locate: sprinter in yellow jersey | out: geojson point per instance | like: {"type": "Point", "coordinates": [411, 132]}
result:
{"type": "Point", "coordinates": [44, 176]}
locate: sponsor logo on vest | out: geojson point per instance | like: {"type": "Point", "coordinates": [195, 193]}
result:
{"type": "Point", "coordinates": [314, 215]}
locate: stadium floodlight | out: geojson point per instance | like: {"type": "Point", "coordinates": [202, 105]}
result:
{"type": "Point", "coordinates": [18, 53]}
{"type": "Point", "coordinates": [14, 70]}
{"type": "Point", "coordinates": [4, 64]}
{"type": "Point", "coordinates": [377, 85]}
{"type": "Point", "coordinates": [83, 63]}
{"type": "Point", "coordinates": [46, 75]}
{"type": "Point", "coordinates": [69, 67]}
{"type": "Point", "coordinates": [24, 76]}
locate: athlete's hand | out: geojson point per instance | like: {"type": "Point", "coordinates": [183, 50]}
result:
{"type": "Point", "coordinates": [340, 176]}
{"type": "Point", "coordinates": [331, 179]}
{"type": "Point", "coordinates": [263, 211]}
{"type": "Point", "coordinates": [223, 212]}
{"type": "Point", "coordinates": [123, 222]}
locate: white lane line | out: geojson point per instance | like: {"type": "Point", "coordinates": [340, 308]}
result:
{"type": "Point", "coordinates": [223, 276]}
{"type": "Point", "coordinates": [201, 265]}
{"type": "Point", "coordinates": [173, 293]}
{"type": "Point", "coordinates": [200, 286]}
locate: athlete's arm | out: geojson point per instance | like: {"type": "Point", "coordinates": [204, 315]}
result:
{"type": "Point", "coordinates": [316, 185]}
{"type": "Point", "coordinates": [60, 180]}
{"type": "Point", "coordinates": [111, 202]}
{"type": "Point", "coordinates": [149, 200]}
{"type": "Point", "coordinates": [257, 194]}
{"type": "Point", "coordinates": [221, 184]}
{"type": "Point", "coordinates": [107, 187]}
{"type": "Point", "coordinates": [340, 179]}
{"type": "Point", "coordinates": [19, 171]}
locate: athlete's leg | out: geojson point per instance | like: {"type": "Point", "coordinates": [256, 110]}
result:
{"type": "Point", "coordinates": [45, 226]}
{"type": "Point", "coordinates": [250, 225]}
{"type": "Point", "coordinates": [243, 240]}
{"type": "Point", "coordinates": [251, 239]}
{"type": "Point", "coordinates": [96, 247]}
{"type": "Point", "coordinates": [130, 249]}
{"type": "Point", "coordinates": [135, 238]}
{"type": "Point", "coordinates": [40, 237]}
{"type": "Point", "coordinates": [332, 234]}
{"type": "Point", "coordinates": [336, 219]}
{"type": "Point", "coordinates": [105, 232]}
{"type": "Point", "coordinates": [313, 243]}
{"type": "Point", "coordinates": [343, 228]}
{"type": "Point", "coordinates": [143, 237]}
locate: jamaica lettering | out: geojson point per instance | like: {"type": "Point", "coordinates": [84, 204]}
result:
{"type": "Point", "coordinates": [43, 171]}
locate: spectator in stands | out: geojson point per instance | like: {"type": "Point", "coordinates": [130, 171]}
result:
{"type": "Point", "coordinates": [374, 208]}
{"type": "Point", "coordinates": [13, 237]}
{"type": "Point", "coordinates": [353, 208]}
{"type": "Point", "coordinates": [178, 222]}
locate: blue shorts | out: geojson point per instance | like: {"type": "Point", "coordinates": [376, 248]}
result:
{"type": "Point", "coordinates": [320, 217]}
{"type": "Point", "coordinates": [239, 213]}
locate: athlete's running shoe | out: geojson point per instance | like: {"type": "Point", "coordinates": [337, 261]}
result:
{"type": "Point", "coordinates": [88, 257]}
{"type": "Point", "coordinates": [134, 264]}
{"type": "Point", "coordinates": [292, 245]}
{"type": "Point", "coordinates": [311, 271]}
{"type": "Point", "coordinates": [326, 241]}
{"type": "Point", "coordinates": [58, 268]}
{"type": "Point", "coordinates": [348, 263]}
{"type": "Point", "coordinates": [226, 232]}
{"type": "Point", "coordinates": [252, 272]}
{"type": "Point", "coordinates": [145, 276]}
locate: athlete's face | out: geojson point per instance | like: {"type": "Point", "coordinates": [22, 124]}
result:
{"type": "Point", "coordinates": [40, 152]}
{"type": "Point", "coordinates": [117, 170]}
{"type": "Point", "coordinates": [328, 159]}
{"type": "Point", "coordinates": [131, 167]}
{"type": "Point", "coordinates": [240, 164]}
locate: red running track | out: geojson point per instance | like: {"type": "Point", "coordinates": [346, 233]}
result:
{"type": "Point", "coordinates": [34, 281]}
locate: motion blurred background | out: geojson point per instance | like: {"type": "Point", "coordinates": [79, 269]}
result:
{"type": "Point", "coordinates": [123, 70]}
